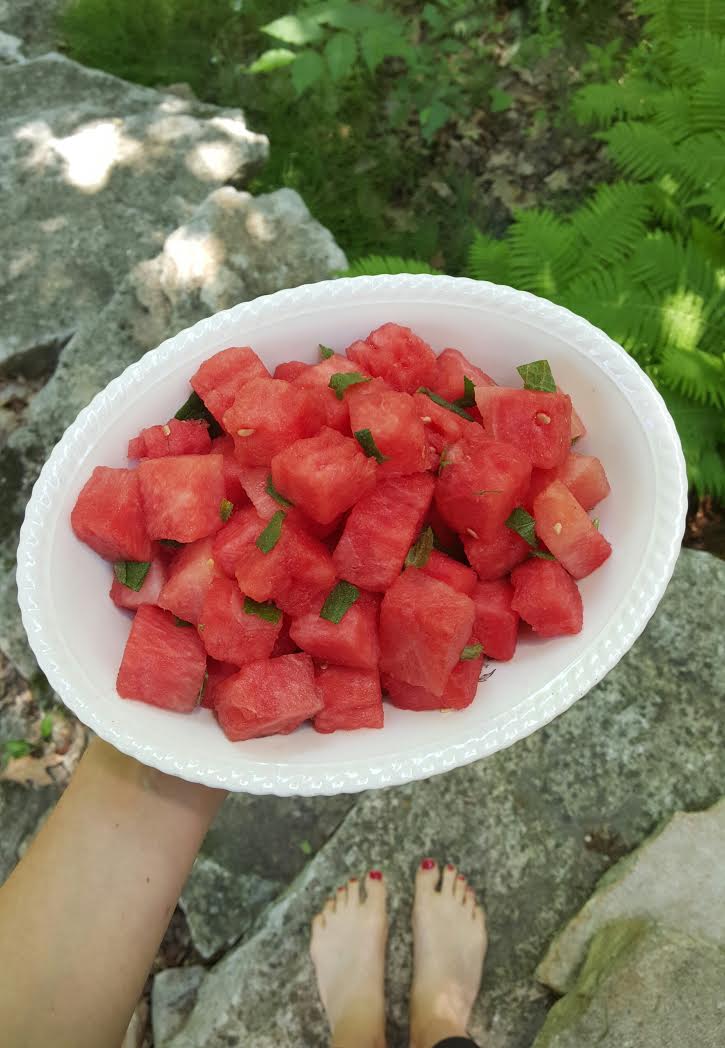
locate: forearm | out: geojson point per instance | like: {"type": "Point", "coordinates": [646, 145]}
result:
{"type": "Point", "coordinates": [82, 916]}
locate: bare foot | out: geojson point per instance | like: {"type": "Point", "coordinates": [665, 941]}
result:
{"type": "Point", "coordinates": [449, 945]}
{"type": "Point", "coordinates": [348, 952]}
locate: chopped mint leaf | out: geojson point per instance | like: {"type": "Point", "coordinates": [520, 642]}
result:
{"type": "Point", "coordinates": [181, 622]}
{"type": "Point", "coordinates": [419, 553]}
{"type": "Point", "coordinates": [46, 727]}
{"type": "Point", "coordinates": [367, 442]}
{"type": "Point", "coordinates": [265, 609]}
{"type": "Point", "coordinates": [444, 403]}
{"type": "Point", "coordinates": [272, 491]}
{"type": "Point", "coordinates": [326, 352]}
{"type": "Point", "coordinates": [171, 543]}
{"type": "Point", "coordinates": [537, 375]}
{"type": "Point", "coordinates": [339, 601]}
{"type": "Point", "coordinates": [542, 554]}
{"type": "Point", "coordinates": [195, 408]}
{"type": "Point", "coordinates": [443, 462]}
{"type": "Point", "coordinates": [523, 524]}
{"type": "Point", "coordinates": [595, 522]}
{"type": "Point", "coordinates": [341, 380]}
{"type": "Point", "coordinates": [468, 400]}
{"type": "Point", "coordinates": [471, 651]}
{"type": "Point", "coordinates": [225, 509]}
{"type": "Point", "coordinates": [305, 847]}
{"type": "Point", "coordinates": [131, 573]}
{"type": "Point", "coordinates": [270, 536]}
{"type": "Point", "coordinates": [16, 748]}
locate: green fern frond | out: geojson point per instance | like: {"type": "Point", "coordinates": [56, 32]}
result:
{"type": "Point", "coordinates": [708, 102]}
{"type": "Point", "coordinates": [714, 200]}
{"type": "Point", "coordinates": [542, 251]}
{"type": "Point", "coordinates": [696, 375]}
{"type": "Point", "coordinates": [702, 432]}
{"type": "Point", "coordinates": [694, 52]}
{"type": "Point", "coordinates": [701, 160]}
{"type": "Point", "coordinates": [488, 259]}
{"type": "Point", "coordinates": [672, 113]}
{"type": "Point", "coordinates": [380, 265]}
{"type": "Point", "coordinates": [600, 104]}
{"type": "Point", "coordinates": [610, 225]}
{"type": "Point", "coordinates": [667, 19]}
{"type": "Point", "coordinates": [630, 314]}
{"type": "Point", "coordinates": [665, 264]}
{"type": "Point", "coordinates": [640, 150]}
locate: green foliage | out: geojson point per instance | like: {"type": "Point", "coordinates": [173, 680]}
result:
{"type": "Point", "coordinates": [374, 265]}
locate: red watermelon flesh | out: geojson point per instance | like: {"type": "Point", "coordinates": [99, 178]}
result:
{"type": "Point", "coordinates": [182, 496]}
{"type": "Point", "coordinates": [190, 437]}
{"type": "Point", "coordinates": [163, 664]}
{"type": "Point", "coordinates": [537, 423]}
{"type": "Point", "coordinates": [446, 537]}
{"type": "Point", "coordinates": [351, 642]}
{"type": "Point", "coordinates": [124, 597]}
{"type": "Point", "coordinates": [295, 572]}
{"type": "Point", "coordinates": [567, 531]}
{"type": "Point", "coordinates": [394, 423]}
{"type": "Point", "coordinates": [233, 489]}
{"type": "Point", "coordinates": [424, 626]}
{"type": "Point", "coordinates": [268, 414]}
{"type": "Point", "coordinates": [497, 624]}
{"type": "Point", "coordinates": [221, 377]}
{"type": "Point", "coordinates": [290, 370]}
{"type": "Point", "coordinates": [256, 481]}
{"type": "Point", "coordinates": [190, 575]}
{"type": "Point", "coordinates": [216, 672]}
{"type": "Point", "coordinates": [236, 537]}
{"type": "Point", "coordinates": [352, 699]}
{"type": "Point", "coordinates": [450, 571]}
{"type": "Point", "coordinates": [578, 429]}
{"type": "Point", "coordinates": [442, 427]}
{"type": "Point", "coordinates": [324, 475]}
{"type": "Point", "coordinates": [268, 697]}
{"type": "Point", "coordinates": [284, 645]}
{"type": "Point", "coordinates": [228, 632]}
{"type": "Point", "coordinates": [583, 475]}
{"type": "Point", "coordinates": [497, 555]}
{"type": "Point", "coordinates": [108, 515]}
{"type": "Point", "coordinates": [451, 368]}
{"type": "Point", "coordinates": [380, 530]}
{"type": "Point", "coordinates": [546, 596]}
{"type": "Point", "coordinates": [317, 380]}
{"type": "Point", "coordinates": [396, 354]}
{"type": "Point", "coordinates": [459, 692]}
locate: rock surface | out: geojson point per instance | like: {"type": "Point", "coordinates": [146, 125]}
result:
{"type": "Point", "coordinates": [642, 986]}
{"type": "Point", "coordinates": [11, 49]}
{"type": "Point", "coordinates": [534, 827]}
{"type": "Point", "coordinates": [34, 21]}
{"type": "Point", "coordinates": [173, 995]}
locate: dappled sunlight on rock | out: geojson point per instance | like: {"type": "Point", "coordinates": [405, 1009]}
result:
{"type": "Point", "coordinates": [193, 259]}
{"type": "Point", "coordinates": [258, 226]}
{"type": "Point", "coordinates": [212, 161]}
{"type": "Point", "coordinates": [89, 154]}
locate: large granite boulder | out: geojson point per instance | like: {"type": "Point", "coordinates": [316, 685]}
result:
{"type": "Point", "coordinates": [34, 21]}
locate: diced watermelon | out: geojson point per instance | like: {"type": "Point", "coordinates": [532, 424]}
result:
{"type": "Point", "coordinates": [494, 557]}
{"type": "Point", "coordinates": [578, 429]}
{"type": "Point", "coordinates": [317, 379]}
{"type": "Point", "coordinates": [228, 632]}
{"type": "Point", "coordinates": [546, 596]}
{"type": "Point", "coordinates": [442, 427]}
{"type": "Point", "coordinates": [395, 425]}
{"type": "Point", "coordinates": [424, 626]}
{"type": "Point", "coordinates": [236, 537]}
{"type": "Point", "coordinates": [568, 532]}
{"type": "Point", "coordinates": [216, 672]}
{"type": "Point", "coordinates": [497, 624]}
{"type": "Point", "coordinates": [268, 414]}
{"type": "Point", "coordinates": [450, 571]}
{"type": "Point", "coordinates": [459, 692]}
{"type": "Point", "coordinates": [398, 355]}
{"type": "Point", "coordinates": [163, 664]}
{"type": "Point", "coordinates": [233, 489]}
{"type": "Point", "coordinates": [446, 538]}
{"type": "Point", "coordinates": [190, 437]}
{"type": "Point", "coordinates": [583, 475]}
{"type": "Point", "coordinates": [256, 480]}
{"type": "Point", "coordinates": [221, 377]}
{"type": "Point", "coordinates": [537, 423]}
{"type": "Point", "coordinates": [351, 642]}
{"type": "Point", "coordinates": [479, 484]}
{"type": "Point", "coordinates": [293, 574]}
{"type": "Point", "coordinates": [451, 368]}
{"type": "Point", "coordinates": [324, 475]}
{"type": "Point", "coordinates": [108, 515]}
{"type": "Point", "coordinates": [352, 699]}
{"type": "Point", "coordinates": [284, 645]}
{"type": "Point", "coordinates": [125, 597]}
{"type": "Point", "coordinates": [290, 370]}
{"type": "Point", "coordinates": [182, 496]}
{"type": "Point", "coordinates": [268, 697]}
{"type": "Point", "coordinates": [190, 575]}
{"type": "Point", "coordinates": [380, 530]}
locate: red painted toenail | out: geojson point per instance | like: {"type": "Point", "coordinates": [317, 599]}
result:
{"type": "Point", "coordinates": [341, 888]}
{"type": "Point", "coordinates": [375, 875]}
{"type": "Point", "coordinates": [427, 864]}
{"type": "Point", "coordinates": [353, 880]}
{"type": "Point", "coordinates": [461, 877]}
{"type": "Point", "coordinates": [450, 866]}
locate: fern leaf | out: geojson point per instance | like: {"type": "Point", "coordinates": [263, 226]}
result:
{"type": "Point", "coordinates": [694, 52]}
{"type": "Point", "coordinates": [708, 103]}
{"type": "Point", "coordinates": [702, 432]}
{"type": "Point", "coordinates": [699, 376]}
{"type": "Point", "coordinates": [672, 113]}
{"type": "Point", "coordinates": [600, 104]}
{"type": "Point", "coordinates": [714, 200]}
{"type": "Point", "coordinates": [488, 259]}
{"type": "Point", "coordinates": [701, 160]}
{"type": "Point", "coordinates": [380, 265]}
{"type": "Point", "coordinates": [610, 225]}
{"type": "Point", "coordinates": [543, 256]}
{"type": "Point", "coordinates": [640, 150]}
{"type": "Point", "coordinates": [667, 19]}
{"type": "Point", "coordinates": [629, 313]}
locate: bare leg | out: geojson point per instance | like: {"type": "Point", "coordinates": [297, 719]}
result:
{"type": "Point", "coordinates": [449, 945]}
{"type": "Point", "coordinates": [348, 952]}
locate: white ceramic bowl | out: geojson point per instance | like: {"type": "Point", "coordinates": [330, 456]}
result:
{"type": "Point", "coordinates": [78, 635]}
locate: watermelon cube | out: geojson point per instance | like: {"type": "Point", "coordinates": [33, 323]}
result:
{"type": "Point", "coordinates": [583, 475]}
{"type": "Point", "coordinates": [163, 664]}
{"type": "Point", "coordinates": [216, 672]}
{"type": "Point", "coordinates": [256, 481]}
{"type": "Point", "coordinates": [459, 692]}
{"type": "Point", "coordinates": [446, 569]}
{"type": "Point", "coordinates": [537, 423]}
{"type": "Point", "coordinates": [284, 645]}
{"type": "Point", "coordinates": [494, 557]}
{"type": "Point", "coordinates": [480, 482]}
{"type": "Point", "coordinates": [567, 531]}
{"type": "Point", "coordinates": [442, 427]}
{"type": "Point", "coordinates": [231, 634]}
{"type": "Point", "coordinates": [351, 642]}
{"type": "Point", "coordinates": [190, 575]}
{"type": "Point", "coordinates": [546, 596]}
{"type": "Point", "coordinates": [266, 416]}
{"type": "Point", "coordinates": [380, 530]}
{"type": "Point", "coordinates": [323, 475]}
{"type": "Point", "coordinates": [352, 699]}
{"type": "Point", "coordinates": [424, 626]}
{"type": "Point", "coordinates": [125, 597]}
{"type": "Point", "coordinates": [108, 515]}
{"type": "Point", "coordinates": [233, 489]}
{"type": "Point", "coordinates": [182, 496]}
{"type": "Point", "coordinates": [236, 537]}
{"type": "Point", "coordinates": [293, 574]}
{"type": "Point", "coordinates": [451, 368]}
{"type": "Point", "coordinates": [446, 538]}
{"type": "Point", "coordinates": [290, 370]}
{"type": "Point", "coordinates": [190, 437]}
{"type": "Point", "coordinates": [396, 354]}
{"type": "Point", "coordinates": [394, 422]}
{"type": "Point", "coordinates": [317, 380]}
{"type": "Point", "coordinates": [221, 377]}
{"type": "Point", "coordinates": [497, 624]}
{"type": "Point", "coordinates": [578, 429]}
{"type": "Point", "coordinates": [268, 697]}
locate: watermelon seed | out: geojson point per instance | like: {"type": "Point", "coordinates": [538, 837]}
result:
{"type": "Point", "coordinates": [557, 528]}
{"type": "Point", "coordinates": [544, 419]}
{"type": "Point", "coordinates": [472, 533]}
{"type": "Point", "coordinates": [166, 431]}
{"type": "Point", "coordinates": [244, 432]}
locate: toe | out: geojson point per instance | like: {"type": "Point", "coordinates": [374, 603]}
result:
{"type": "Point", "coordinates": [375, 889]}
{"type": "Point", "coordinates": [341, 896]}
{"type": "Point", "coordinates": [353, 892]}
{"type": "Point", "coordinates": [329, 908]}
{"type": "Point", "coordinates": [459, 886]}
{"type": "Point", "coordinates": [318, 924]}
{"type": "Point", "coordinates": [426, 878]}
{"type": "Point", "coordinates": [468, 898]}
{"type": "Point", "coordinates": [448, 884]}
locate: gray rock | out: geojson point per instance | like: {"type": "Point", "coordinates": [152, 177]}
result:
{"type": "Point", "coordinates": [530, 826]}
{"type": "Point", "coordinates": [675, 878]}
{"type": "Point", "coordinates": [94, 173]}
{"type": "Point", "coordinates": [22, 810]}
{"type": "Point", "coordinates": [11, 49]}
{"type": "Point", "coordinates": [642, 986]}
{"type": "Point", "coordinates": [173, 995]}
{"type": "Point", "coordinates": [34, 21]}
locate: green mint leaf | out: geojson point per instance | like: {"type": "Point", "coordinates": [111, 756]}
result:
{"type": "Point", "coordinates": [181, 622]}
{"type": "Point", "coordinates": [326, 352]}
{"type": "Point", "coordinates": [367, 442]}
{"type": "Point", "coordinates": [342, 380]}
{"type": "Point", "coordinates": [471, 651]}
{"type": "Point", "coordinates": [46, 727]}
{"type": "Point", "coordinates": [17, 748]}
{"type": "Point", "coordinates": [537, 375]}
{"type": "Point", "coordinates": [339, 601]}
{"type": "Point", "coordinates": [171, 543]}
{"type": "Point", "coordinates": [542, 554]}
{"type": "Point", "coordinates": [443, 462]}
{"type": "Point", "coordinates": [270, 536]}
{"type": "Point", "coordinates": [468, 400]}
{"type": "Point", "coordinates": [278, 498]}
{"type": "Point", "coordinates": [131, 573]}
{"type": "Point", "coordinates": [195, 408]}
{"type": "Point", "coordinates": [419, 553]}
{"type": "Point", "coordinates": [225, 509]}
{"type": "Point", "coordinates": [444, 403]}
{"type": "Point", "coordinates": [305, 847]}
{"type": "Point", "coordinates": [595, 522]}
{"type": "Point", "coordinates": [523, 524]}
{"type": "Point", "coordinates": [265, 609]}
